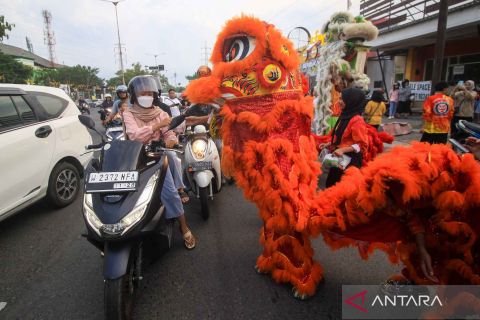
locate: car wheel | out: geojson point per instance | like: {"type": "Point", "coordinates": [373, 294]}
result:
{"type": "Point", "coordinates": [63, 185]}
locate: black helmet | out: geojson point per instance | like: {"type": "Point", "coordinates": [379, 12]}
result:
{"type": "Point", "coordinates": [158, 82]}
{"type": "Point", "coordinates": [139, 84]}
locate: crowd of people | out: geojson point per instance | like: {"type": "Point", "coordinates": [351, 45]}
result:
{"type": "Point", "coordinates": [146, 116]}
{"type": "Point", "coordinates": [441, 112]}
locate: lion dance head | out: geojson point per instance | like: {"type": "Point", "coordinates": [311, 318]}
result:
{"type": "Point", "coordinates": [267, 145]}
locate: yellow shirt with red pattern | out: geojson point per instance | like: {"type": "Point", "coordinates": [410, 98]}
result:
{"type": "Point", "coordinates": [437, 113]}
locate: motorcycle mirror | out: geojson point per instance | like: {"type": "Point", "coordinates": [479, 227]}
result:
{"type": "Point", "coordinates": [87, 121]}
{"type": "Point", "coordinates": [90, 124]}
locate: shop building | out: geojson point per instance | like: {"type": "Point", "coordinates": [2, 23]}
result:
{"type": "Point", "coordinates": [405, 46]}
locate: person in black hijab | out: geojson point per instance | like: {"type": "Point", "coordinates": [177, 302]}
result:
{"type": "Point", "coordinates": [351, 117]}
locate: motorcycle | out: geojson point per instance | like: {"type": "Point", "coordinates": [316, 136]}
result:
{"type": "Point", "coordinates": [124, 215]}
{"type": "Point", "coordinates": [203, 169]}
{"type": "Point", "coordinates": [84, 108]}
{"type": "Point", "coordinates": [104, 113]}
{"type": "Point", "coordinates": [467, 129]}
{"type": "Point", "coordinates": [114, 130]}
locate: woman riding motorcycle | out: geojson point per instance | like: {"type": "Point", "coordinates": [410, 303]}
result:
{"type": "Point", "coordinates": [145, 122]}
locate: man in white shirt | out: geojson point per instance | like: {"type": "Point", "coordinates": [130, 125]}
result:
{"type": "Point", "coordinates": [173, 102]}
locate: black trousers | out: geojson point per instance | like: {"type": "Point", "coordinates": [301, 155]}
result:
{"type": "Point", "coordinates": [335, 174]}
{"type": "Point", "coordinates": [434, 138]}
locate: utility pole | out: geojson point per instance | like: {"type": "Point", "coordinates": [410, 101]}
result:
{"type": "Point", "coordinates": [119, 48]}
{"type": "Point", "coordinates": [205, 53]}
{"type": "Point", "coordinates": [440, 43]}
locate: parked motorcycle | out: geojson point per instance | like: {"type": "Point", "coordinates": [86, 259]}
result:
{"type": "Point", "coordinates": [203, 168]}
{"type": "Point", "coordinates": [124, 215]}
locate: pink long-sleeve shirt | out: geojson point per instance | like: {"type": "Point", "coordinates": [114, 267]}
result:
{"type": "Point", "coordinates": [142, 131]}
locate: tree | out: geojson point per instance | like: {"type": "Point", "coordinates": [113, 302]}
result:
{"type": "Point", "coordinates": [137, 70]}
{"type": "Point", "coordinates": [192, 77]}
{"type": "Point", "coordinates": [12, 71]}
{"type": "Point", "coordinates": [46, 77]}
{"type": "Point", "coordinates": [78, 77]}
{"type": "Point", "coordinates": [4, 27]}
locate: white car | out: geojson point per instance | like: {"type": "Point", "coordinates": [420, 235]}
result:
{"type": "Point", "coordinates": [42, 145]}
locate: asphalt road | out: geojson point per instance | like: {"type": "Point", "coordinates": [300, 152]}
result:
{"type": "Point", "coordinates": [48, 271]}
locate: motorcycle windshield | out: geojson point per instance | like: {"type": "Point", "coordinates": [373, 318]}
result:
{"type": "Point", "coordinates": [123, 156]}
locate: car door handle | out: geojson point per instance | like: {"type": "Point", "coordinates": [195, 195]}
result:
{"type": "Point", "coordinates": [43, 132]}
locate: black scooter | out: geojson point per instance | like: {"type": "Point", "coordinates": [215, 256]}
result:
{"type": "Point", "coordinates": [466, 129]}
{"type": "Point", "coordinates": [124, 215]}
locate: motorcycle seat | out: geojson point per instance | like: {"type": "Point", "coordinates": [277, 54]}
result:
{"type": "Point", "coordinates": [472, 126]}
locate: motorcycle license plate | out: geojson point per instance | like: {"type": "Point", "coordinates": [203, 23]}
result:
{"type": "Point", "coordinates": [201, 165]}
{"type": "Point", "coordinates": [111, 181]}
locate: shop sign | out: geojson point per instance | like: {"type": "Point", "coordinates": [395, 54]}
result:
{"type": "Point", "coordinates": [458, 69]}
{"type": "Point", "coordinates": [421, 89]}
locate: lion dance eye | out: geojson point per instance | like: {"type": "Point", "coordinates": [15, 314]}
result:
{"type": "Point", "coordinates": [238, 48]}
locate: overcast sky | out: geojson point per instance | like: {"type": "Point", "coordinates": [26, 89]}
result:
{"type": "Point", "coordinates": [85, 30]}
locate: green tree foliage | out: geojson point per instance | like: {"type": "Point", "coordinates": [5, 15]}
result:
{"type": "Point", "coordinates": [137, 70]}
{"type": "Point", "coordinates": [192, 77]}
{"type": "Point", "coordinates": [12, 71]}
{"type": "Point", "coordinates": [4, 27]}
{"type": "Point", "coordinates": [78, 77]}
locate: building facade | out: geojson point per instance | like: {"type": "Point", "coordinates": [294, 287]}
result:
{"type": "Point", "coordinates": [405, 46]}
{"type": "Point", "coordinates": [28, 58]}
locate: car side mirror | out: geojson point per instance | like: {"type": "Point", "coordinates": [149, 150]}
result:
{"type": "Point", "coordinates": [87, 121]}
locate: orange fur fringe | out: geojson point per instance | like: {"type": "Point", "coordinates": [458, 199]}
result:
{"type": "Point", "coordinates": [269, 150]}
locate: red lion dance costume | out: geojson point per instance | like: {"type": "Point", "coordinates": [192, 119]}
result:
{"type": "Point", "coordinates": [269, 150]}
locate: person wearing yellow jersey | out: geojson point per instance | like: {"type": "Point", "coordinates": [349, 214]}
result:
{"type": "Point", "coordinates": [375, 109]}
{"type": "Point", "coordinates": [437, 115]}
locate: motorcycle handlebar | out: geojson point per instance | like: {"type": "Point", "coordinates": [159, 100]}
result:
{"type": "Point", "coordinates": [94, 146]}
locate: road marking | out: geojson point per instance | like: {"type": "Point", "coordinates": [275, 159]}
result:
{"type": "Point", "coordinates": [2, 305]}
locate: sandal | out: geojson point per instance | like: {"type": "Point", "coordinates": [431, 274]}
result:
{"type": "Point", "coordinates": [183, 196]}
{"type": "Point", "coordinates": [189, 240]}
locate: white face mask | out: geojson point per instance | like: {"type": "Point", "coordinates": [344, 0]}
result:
{"type": "Point", "coordinates": [145, 101]}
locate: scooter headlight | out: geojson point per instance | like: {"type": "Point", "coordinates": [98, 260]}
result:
{"type": "Point", "coordinates": [199, 149]}
{"type": "Point", "coordinates": [90, 215]}
{"type": "Point", "coordinates": [132, 218]}
{"type": "Point", "coordinates": [141, 206]}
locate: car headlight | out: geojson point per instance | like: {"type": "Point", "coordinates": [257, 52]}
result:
{"type": "Point", "coordinates": [199, 149]}
{"type": "Point", "coordinates": [132, 218]}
